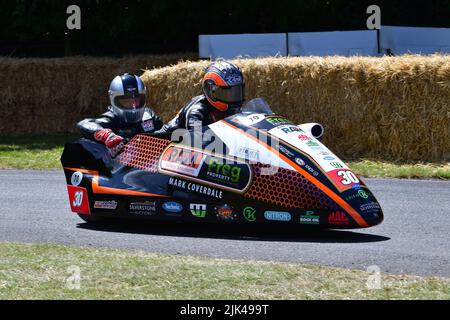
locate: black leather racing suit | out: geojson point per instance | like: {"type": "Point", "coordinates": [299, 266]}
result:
{"type": "Point", "coordinates": [150, 123]}
{"type": "Point", "coordinates": [197, 112]}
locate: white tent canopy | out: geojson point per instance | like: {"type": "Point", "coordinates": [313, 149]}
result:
{"type": "Point", "coordinates": [398, 40]}
{"type": "Point", "coordinates": [230, 46]}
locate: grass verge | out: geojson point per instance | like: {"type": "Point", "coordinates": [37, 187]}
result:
{"type": "Point", "coordinates": [46, 272]}
{"type": "Point", "coordinates": [43, 152]}
{"type": "Point", "coordinates": [377, 168]}
{"type": "Point", "coordinates": [32, 152]}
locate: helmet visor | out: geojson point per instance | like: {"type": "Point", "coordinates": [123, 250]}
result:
{"type": "Point", "coordinates": [129, 102]}
{"type": "Point", "coordinates": [229, 94]}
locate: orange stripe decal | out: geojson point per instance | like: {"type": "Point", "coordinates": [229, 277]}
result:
{"type": "Point", "coordinates": [355, 215]}
{"type": "Point", "coordinates": [96, 188]}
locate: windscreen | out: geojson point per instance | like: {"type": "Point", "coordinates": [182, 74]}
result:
{"type": "Point", "coordinates": [257, 105]}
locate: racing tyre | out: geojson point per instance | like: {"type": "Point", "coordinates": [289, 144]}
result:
{"type": "Point", "coordinates": [91, 219]}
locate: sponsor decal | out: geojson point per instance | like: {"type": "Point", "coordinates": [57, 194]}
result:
{"type": "Point", "coordinates": [338, 218]}
{"type": "Point", "coordinates": [225, 213]}
{"type": "Point", "coordinates": [303, 137]}
{"type": "Point", "coordinates": [193, 165]}
{"type": "Point", "coordinates": [290, 129]}
{"type": "Point", "coordinates": [363, 194]}
{"type": "Point", "coordinates": [247, 153]}
{"type": "Point", "coordinates": [310, 169]}
{"type": "Point", "coordinates": [198, 210]}
{"type": "Point", "coordinates": [336, 165]}
{"type": "Point", "coordinates": [370, 207]}
{"type": "Point", "coordinates": [310, 218]}
{"type": "Point", "coordinates": [172, 207]}
{"type": "Point", "coordinates": [277, 216]}
{"type": "Point", "coordinates": [109, 205]}
{"type": "Point", "coordinates": [299, 161]}
{"type": "Point", "coordinates": [278, 121]}
{"type": "Point", "coordinates": [200, 189]}
{"type": "Point", "coordinates": [148, 126]}
{"type": "Point", "coordinates": [312, 144]}
{"type": "Point", "coordinates": [249, 214]}
{"type": "Point", "coordinates": [233, 78]}
{"type": "Point", "coordinates": [227, 174]}
{"type": "Point", "coordinates": [181, 160]}
{"type": "Point", "coordinates": [360, 194]}
{"type": "Point", "coordinates": [78, 200]}
{"type": "Point", "coordinates": [76, 178]}
{"type": "Point", "coordinates": [143, 208]}
{"type": "Point", "coordinates": [285, 151]}
{"type": "Point", "coordinates": [223, 172]}
{"type": "Point", "coordinates": [352, 197]}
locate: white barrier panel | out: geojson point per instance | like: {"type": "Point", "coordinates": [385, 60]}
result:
{"type": "Point", "coordinates": [342, 43]}
{"type": "Point", "coordinates": [402, 40]}
{"type": "Point", "coordinates": [229, 46]}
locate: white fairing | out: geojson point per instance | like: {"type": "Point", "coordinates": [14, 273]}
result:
{"type": "Point", "coordinates": [253, 144]}
{"type": "Point", "coordinates": [305, 142]}
{"type": "Point", "coordinates": [241, 146]}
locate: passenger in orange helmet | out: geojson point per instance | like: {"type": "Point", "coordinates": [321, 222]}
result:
{"type": "Point", "coordinates": [223, 95]}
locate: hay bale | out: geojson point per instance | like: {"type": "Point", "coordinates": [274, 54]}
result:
{"type": "Point", "coordinates": [51, 95]}
{"type": "Point", "coordinates": [394, 108]}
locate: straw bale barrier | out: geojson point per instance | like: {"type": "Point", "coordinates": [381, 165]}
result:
{"type": "Point", "coordinates": [50, 95]}
{"type": "Point", "coordinates": [393, 108]}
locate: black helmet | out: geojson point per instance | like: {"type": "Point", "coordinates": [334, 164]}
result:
{"type": "Point", "coordinates": [223, 86]}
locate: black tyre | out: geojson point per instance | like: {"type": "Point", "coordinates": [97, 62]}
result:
{"type": "Point", "coordinates": [91, 219]}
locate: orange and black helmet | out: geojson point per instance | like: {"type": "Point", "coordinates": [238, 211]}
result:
{"type": "Point", "coordinates": [223, 86]}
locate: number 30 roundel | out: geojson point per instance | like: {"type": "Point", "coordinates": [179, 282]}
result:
{"type": "Point", "coordinates": [79, 202]}
{"type": "Point", "coordinates": [343, 179]}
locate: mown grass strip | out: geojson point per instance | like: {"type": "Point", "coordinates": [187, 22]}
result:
{"type": "Point", "coordinates": [47, 272]}
{"type": "Point", "coordinates": [32, 152]}
{"type": "Point", "coordinates": [378, 168]}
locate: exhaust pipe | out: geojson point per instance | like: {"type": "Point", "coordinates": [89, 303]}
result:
{"type": "Point", "coordinates": [315, 129]}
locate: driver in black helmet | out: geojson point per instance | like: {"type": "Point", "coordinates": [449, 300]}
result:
{"type": "Point", "coordinates": [223, 95]}
{"type": "Point", "coordinates": [127, 115]}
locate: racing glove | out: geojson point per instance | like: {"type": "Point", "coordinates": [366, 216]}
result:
{"type": "Point", "coordinates": [112, 141]}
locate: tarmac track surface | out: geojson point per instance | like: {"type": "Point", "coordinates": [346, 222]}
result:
{"type": "Point", "coordinates": [413, 239]}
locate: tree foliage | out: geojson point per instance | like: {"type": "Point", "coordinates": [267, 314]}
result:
{"type": "Point", "coordinates": [115, 27]}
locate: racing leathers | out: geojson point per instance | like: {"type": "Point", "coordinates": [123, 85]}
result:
{"type": "Point", "coordinates": [198, 112]}
{"type": "Point", "coordinates": [111, 131]}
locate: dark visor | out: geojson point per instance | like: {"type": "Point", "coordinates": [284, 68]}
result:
{"type": "Point", "coordinates": [130, 101]}
{"type": "Point", "coordinates": [228, 94]}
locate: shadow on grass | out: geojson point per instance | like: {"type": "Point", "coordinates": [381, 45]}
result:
{"type": "Point", "coordinates": [35, 142]}
{"type": "Point", "coordinates": [233, 232]}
